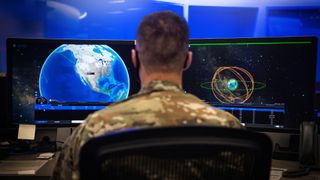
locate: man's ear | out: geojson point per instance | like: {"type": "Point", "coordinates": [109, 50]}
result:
{"type": "Point", "coordinates": [134, 58]}
{"type": "Point", "coordinates": [188, 61]}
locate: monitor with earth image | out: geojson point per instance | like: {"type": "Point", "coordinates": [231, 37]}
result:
{"type": "Point", "coordinates": [59, 82]}
{"type": "Point", "coordinates": [265, 82]}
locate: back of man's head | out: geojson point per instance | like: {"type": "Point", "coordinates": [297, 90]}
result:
{"type": "Point", "coordinates": [162, 42]}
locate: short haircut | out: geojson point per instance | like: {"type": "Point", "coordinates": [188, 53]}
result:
{"type": "Point", "coordinates": [162, 42]}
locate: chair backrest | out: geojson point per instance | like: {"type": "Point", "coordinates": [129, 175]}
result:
{"type": "Point", "coordinates": [184, 152]}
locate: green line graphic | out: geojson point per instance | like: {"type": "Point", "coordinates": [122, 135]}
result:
{"type": "Point", "coordinates": [258, 86]}
{"type": "Point", "coordinates": [247, 43]}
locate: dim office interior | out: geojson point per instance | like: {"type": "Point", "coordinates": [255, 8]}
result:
{"type": "Point", "coordinates": [258, 60]}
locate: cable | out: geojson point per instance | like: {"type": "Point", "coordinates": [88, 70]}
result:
{"type": "Point", "coordinates": [296, 173]}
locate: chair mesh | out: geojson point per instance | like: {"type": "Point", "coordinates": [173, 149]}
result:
{"type": "Point", "coordinates": [139, 164]}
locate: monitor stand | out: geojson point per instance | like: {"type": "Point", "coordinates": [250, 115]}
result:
{"type": "Point", "coordinates": [290, 152]}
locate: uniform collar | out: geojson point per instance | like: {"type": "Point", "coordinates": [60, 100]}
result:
{"type": "Point", "coordinates": [160, 85]}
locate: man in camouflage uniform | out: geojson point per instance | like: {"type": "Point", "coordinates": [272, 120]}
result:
{"type": "Point", "coordinates": [160, 57]}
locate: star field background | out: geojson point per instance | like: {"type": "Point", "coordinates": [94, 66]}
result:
{"type": "Point", "coordinates": [288, 70]}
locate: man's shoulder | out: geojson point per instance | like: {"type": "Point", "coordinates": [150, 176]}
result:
{"type": "Point", "coordinates": [206, 113]}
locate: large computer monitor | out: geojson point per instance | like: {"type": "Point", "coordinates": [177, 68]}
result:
{"type": "Point", "coordinates": [59, 82]}
{"type": "Point", "coordinates": [265, 82]}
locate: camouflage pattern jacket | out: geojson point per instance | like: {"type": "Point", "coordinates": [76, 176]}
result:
{"type": "Point", "coordinates": [161, 103]}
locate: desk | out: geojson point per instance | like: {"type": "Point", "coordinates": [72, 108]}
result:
{"type": "Point", "coordinates": [43, 173]}
{"type": "Point", "coordinates": [292, 165]}
{"type": "Point", "coordinates": [46, 170]}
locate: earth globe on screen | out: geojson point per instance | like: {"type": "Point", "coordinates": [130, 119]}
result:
{"type": "Point", "coordinates": [84, 73]}
{"type": "Point", "coordinates": [232, 84]}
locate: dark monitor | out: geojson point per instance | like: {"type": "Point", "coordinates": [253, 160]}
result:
{"type": "Point", "coordinates": [59, 82]}
{"type": "Point", "coordinates": [265, 82]}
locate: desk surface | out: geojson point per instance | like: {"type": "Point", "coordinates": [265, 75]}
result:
{"type": "Point", "coordinates": [46, 170]}
{"type": "Point", "coordinates": [292, 165]}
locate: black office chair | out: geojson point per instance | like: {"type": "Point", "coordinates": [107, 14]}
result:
{"type": "Point", "coordinates": [187, 152]}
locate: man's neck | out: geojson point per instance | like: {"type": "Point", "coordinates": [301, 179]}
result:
{"type": "Point", "coordinates": [175, 78]}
